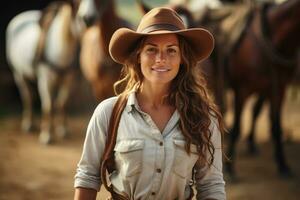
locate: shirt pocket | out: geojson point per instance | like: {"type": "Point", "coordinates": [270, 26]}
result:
{"type": "Point", "coordinates": [183, 162]}
{"type": "Point", "coordinates": [129, 154]}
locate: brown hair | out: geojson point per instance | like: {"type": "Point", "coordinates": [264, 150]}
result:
{"type": "Point", "coordinates": [189, 94]}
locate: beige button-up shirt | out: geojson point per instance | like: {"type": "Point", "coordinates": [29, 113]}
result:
{"type": "Point", "coordinates": [150, 164]}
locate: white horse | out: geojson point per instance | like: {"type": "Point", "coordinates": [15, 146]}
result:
{"type": "Point", "coordinates": [51, 68]}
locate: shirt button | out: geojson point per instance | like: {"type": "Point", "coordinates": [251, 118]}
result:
{"type": "Point", "coordinates": [153, 193]}
{"type": "Point", "coordinates": [158, 170]}
{"type": "Point", "coordinates": [161, 143]}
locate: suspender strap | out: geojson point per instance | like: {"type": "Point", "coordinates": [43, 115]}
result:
{"type": "Point", "coordinates": [108, 160]}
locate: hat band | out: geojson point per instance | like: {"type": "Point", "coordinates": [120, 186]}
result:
{"type": "Point", "coordinates": [157, 27]}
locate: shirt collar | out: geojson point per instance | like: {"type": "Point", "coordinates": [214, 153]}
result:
{"type": "Point", "coordinates": [132, 102]}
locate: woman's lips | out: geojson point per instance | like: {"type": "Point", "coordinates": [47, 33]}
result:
{"type": "Point", "coordinates": [161, 69]}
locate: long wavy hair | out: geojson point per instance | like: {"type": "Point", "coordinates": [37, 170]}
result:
{"type": "Point", "coordinates": [189, 94]}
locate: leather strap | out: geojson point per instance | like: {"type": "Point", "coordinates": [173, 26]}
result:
{"type": "Point", "coordinates": [108, 159]}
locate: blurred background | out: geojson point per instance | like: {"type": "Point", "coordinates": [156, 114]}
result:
{"type": "Point", "coordinates": [55, 69]}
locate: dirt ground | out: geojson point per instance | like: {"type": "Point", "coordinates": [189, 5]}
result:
{"type": "Point", "coordinates": [31, 171]}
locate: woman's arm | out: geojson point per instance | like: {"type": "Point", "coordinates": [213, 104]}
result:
{"type": "Point", "coordinates": [85, 194]}
{"type": "Point", "coordinates": [88, 173]}
{"type": "Point", "coordinates": [209, 180]}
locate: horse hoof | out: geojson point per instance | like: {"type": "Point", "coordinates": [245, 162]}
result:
{"type": "Point", "coordinates": [229, 168]}
{"type": "Point", "coordinates": [45, 138]}
{"type": "Point", "coordinates": [232, 178]}
{"type": "Point", "coordinates": [252, 151]}
{"type": "Point", "coordinates": [286, 173]}
{"type": "Point", "coordinates": [230, 172]}
{"type": "Point", "coordinates": [27, 127]}
{"type": "Point", "coordinates": [62, 132]}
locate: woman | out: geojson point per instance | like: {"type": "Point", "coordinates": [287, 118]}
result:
{"type": "Point", "coordinates": [169, 125]}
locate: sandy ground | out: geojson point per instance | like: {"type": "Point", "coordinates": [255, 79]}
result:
{"type": "Point", "coordinates": [31, 171]}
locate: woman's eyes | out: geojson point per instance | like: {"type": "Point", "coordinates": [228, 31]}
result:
{"type": "Point", "coordinates": [172, 50]}
{"type": "Point", "coordinates": [155, 50]}
{"type": "Point", "coordinates": [151, 50]}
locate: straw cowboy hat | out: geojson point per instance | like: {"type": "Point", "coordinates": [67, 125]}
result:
{"type": "Point", "coordinates": [160, 20]}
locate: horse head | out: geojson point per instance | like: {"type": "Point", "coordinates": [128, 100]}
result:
{"type": "Point", "coordinates": [89, 11]}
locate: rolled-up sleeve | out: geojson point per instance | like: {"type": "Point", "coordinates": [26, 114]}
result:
{"type": "Point", "coordinates": [88, 168]}
{"type": "Point", "coordinates": [209, 180]}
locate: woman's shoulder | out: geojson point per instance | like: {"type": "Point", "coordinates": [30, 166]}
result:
{"type": "Point", "coordinates": [215, 130]}
{"type": "Point", "coordinates": [105, 106]}
{"type": "Point", "coordinates": [213, 119]}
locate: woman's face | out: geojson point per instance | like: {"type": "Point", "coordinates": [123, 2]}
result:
{"type": "Point", "coordinates": [160, 58]}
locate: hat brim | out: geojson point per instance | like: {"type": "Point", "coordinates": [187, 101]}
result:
{"type": "Point", "coordinates": [124, 40]}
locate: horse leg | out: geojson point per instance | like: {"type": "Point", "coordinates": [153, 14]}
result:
{"type": "Point", "coordinates": [60, 104]}
{"type": "Point", "coordinates": [275, 118]}
{"type": "Point", "coordinates": [252, 148]}
{"type": "Point", "coordinates": [46, 80]}
{"type": "Point", "coordinates": [235, 132]}
{"type": "Point", "coordinates": [26, 96]}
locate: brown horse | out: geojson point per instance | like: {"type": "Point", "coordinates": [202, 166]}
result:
{"type": "Point", "coordinates": [263, 63]}
{"type": "Point", "coordinates": [97, 66]}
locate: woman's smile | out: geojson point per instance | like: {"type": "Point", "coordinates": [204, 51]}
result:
{"type": "Point", "coordinates": [160, 58]}
{"type": "Point", "coordinates": [160, 69]}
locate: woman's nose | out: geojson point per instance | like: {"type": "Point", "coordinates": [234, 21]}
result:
{"type": "Point", "coordinates": [160, 57]}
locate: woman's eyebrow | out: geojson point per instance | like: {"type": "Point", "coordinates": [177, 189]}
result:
{"type": "Point", "coordinates": [152, 44]}
{"type": "Point", "coordinates": [170, 45]}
